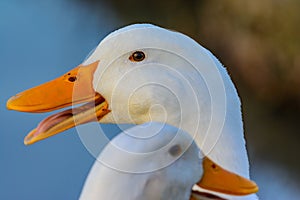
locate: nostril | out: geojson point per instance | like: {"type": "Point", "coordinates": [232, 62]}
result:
{"type": "Point", "coordinates": [72, 79]}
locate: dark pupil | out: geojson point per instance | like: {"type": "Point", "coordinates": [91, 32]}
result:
{"type": "Point", "coordinates": [138, 56]}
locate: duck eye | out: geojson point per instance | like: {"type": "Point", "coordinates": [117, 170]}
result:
{"type": "Point", "coordinates": [175, 150]}
{"type": "Point", "coordinates": [137, 56]}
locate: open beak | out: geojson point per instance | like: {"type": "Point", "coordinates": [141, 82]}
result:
{"type": "Point", "coordinates": [217, 179]}
{"type": "Point", "coordinates": [74, 87]}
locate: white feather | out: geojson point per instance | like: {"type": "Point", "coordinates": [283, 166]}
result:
{"type": "Point", "coordinates": [179, 82]}
{"type": "Point", "coordinates": [111, 176]}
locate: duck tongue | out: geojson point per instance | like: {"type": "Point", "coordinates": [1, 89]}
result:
{"type": "Point", "coordinates": [52, 120]}
{"type": "Point", "coordinates": [59, 122]}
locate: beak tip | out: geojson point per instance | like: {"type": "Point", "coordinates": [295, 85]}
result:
{"type": "Point", "coordinates": [251, 188]}
{"type": "Point", "coordinates": [9, 103]}
{"type": "Point", "coordinates": [255, 188]}
{"type": "Point", "coordinates": [30, 139]}
{"type": "Point", "coordinates": [26, 141]}
{"type": "Point", "coordinates": [12, 102]}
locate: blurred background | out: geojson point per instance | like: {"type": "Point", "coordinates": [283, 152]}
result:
{"type": "Point", "coordinates": [258, 41]}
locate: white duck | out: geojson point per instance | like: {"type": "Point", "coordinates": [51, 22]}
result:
{"type": "Point", "coordinates": [144, 73]}
{"type": "Point", "coordinates": [164, 163]}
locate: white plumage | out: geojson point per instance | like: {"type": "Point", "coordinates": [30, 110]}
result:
{"type": "Point", "coordinates": [179, 82]}
{"type": "Point", "coordinates": [150, 161]}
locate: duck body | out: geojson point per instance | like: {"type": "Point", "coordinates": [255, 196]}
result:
{"type": "Point", "coordinates": [164, 163]}
{"type": "Point", "coordinates": [145, 170]}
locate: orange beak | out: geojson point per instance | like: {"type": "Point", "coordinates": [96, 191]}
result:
{"type": "Point", "coordinates": [72, 88]}
{"type": "Point", "coordinates": [217, 179]}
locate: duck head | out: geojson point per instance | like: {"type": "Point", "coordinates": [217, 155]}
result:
{"type": "Point", "coordinates": [137, 74]}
